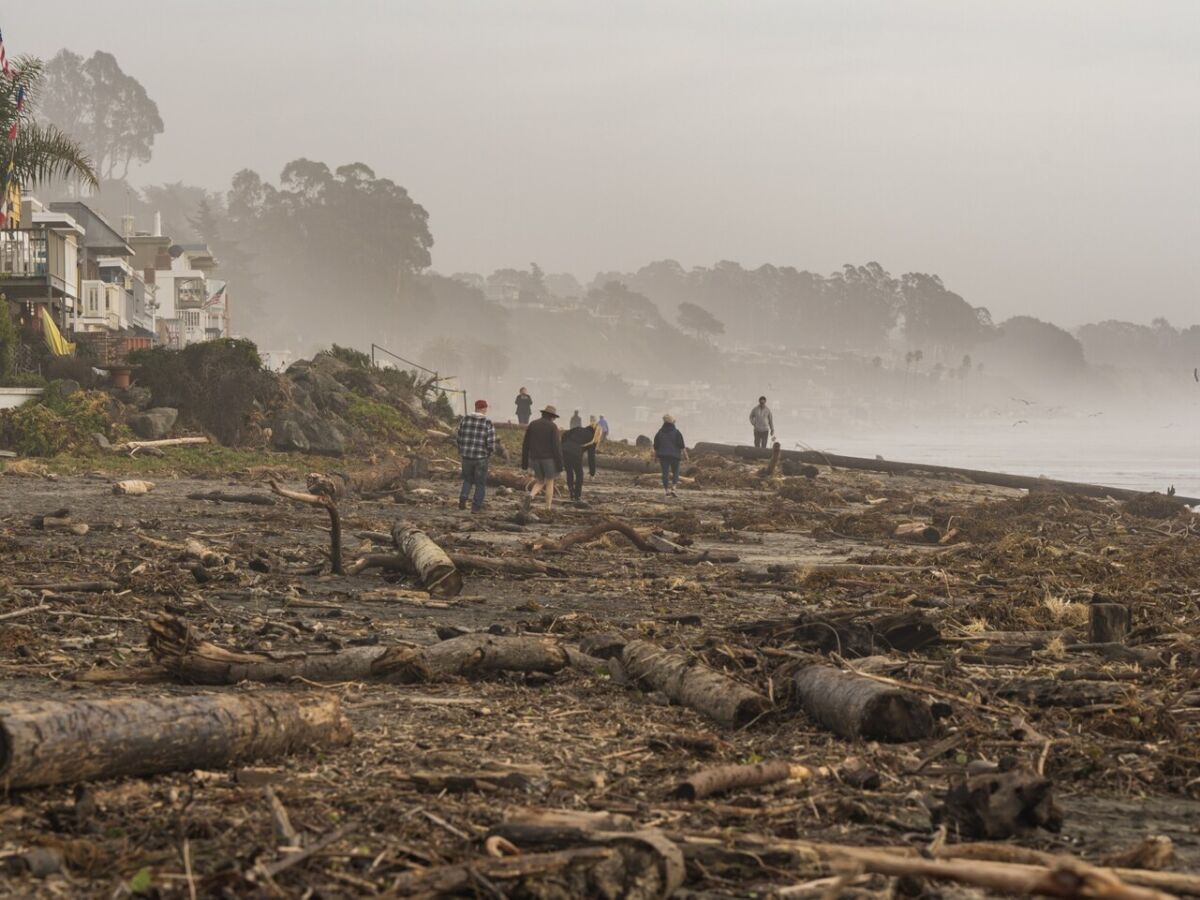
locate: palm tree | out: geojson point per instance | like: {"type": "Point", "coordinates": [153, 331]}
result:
{"type": "Point", "coordinates": [41, 151]}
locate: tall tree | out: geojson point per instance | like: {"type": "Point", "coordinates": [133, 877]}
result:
{"type": "Point", "coordinates": [41, 151]}
{"type": "Point", "coordinates": [106, 110]}
{"type": "Point", "coordinates": [697, 320]}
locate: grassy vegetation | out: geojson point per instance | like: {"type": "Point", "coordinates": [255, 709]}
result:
{"type": "Point", "coordinates": [382, 422]}
{"type": "Point", "coordinates": [200, 460]}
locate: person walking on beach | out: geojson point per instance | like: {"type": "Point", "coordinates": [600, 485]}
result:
{"type": "Point", "coordinates": [763, 422]}
{"type": "Point", "coordinates": [541, 453]}
{"type": "Point", "coordinates": [476, 439]}
{"type": "Point", "coordinates": [524, 406]}
{"type": "Point", "coordinates": [669, 449]}
{"type": "Point", "coordinates": [574, 443]}
{"type": "Point", "coordinates": [576, 419]}
{"type": "Point", "coordinates": [603, 427]}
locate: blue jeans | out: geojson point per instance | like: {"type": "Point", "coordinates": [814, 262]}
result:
{"type": "Point", "coordinates": [474, 473]}
{"type": "Point", "coordinates": [670, 471]}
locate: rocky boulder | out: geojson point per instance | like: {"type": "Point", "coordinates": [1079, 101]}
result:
{"type": "Point", "coordinates": [297, 431]}
{"type": "Point", "coordinates": [154, 424]}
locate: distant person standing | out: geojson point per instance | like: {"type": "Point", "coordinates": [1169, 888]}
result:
{"type": "Point", "coordinates": [763, 422]}
{"type": "Point", "coordinates": [604, 427]}
{"type": "Point", "coordinates": [576, 420]}
{"type": "Point", "coordinates": [574, 443]}
{"type": "Point", "coordinates": [669, 449]}
{"type": "Point", "coordinates": [476, 441]}
{"type": "Point", "coordinates": [541, 453]}
{"type": "Point", "coordinates": [524, 406]}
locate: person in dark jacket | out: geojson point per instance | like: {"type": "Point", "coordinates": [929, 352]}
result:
{"type": "Point", "coordinates": [576, 419]}
{"type": "Point", "coordinates": [574, 443]}
{"type": "Point", "coordinates": [669, 449]}
{"type": "Point", "coordinates": [541, 453]}
{"type": "Point", "coordinates": [524, 406]}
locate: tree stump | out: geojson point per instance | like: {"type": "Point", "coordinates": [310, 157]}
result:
{"type": "Point", "coordinates": [1108, 623]}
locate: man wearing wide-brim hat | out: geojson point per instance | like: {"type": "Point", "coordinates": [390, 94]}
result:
{"type": "Point", "coordinates": [542, 454]}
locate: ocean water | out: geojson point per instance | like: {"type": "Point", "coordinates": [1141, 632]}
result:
{"type": "Point", "coordinates": [1143, 454]}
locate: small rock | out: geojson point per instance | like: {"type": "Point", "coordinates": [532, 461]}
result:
{"type": "Point", "coordinates": [154, 424]}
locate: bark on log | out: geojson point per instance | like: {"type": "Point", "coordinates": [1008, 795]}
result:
{"type": "Point", "coordinates": [176, 648]}
{"type": "Point", "coordinates": [855, 707]}
{"type": "Point", "coordinates": [693, 685]}
{"type": "Point", "coordinates": [223, 497]}
{"type": "Point", "coordinates": [619, 867]}
{"type": "Point", "coordinates": [1000, 479]}
{"type": "Point", "coordinates": [464, 562]}
{"type": "Point", "coordinates": [1044, 692]}
{"type": "Point", "coordinates": [435, 569]}
{"type": "Point", "coordinates": [707, 782]}
{"type": "Point", "coordinates": [509, 478]}
{"type": "Point", "coordinates": [52, 742]}
{"type": "Point", "coordinates": [68, 587]}
{"type": "Point", "coordinates": [773, 465]}
{"type": "Point", "coordinates": [1108, 623]}
{"type": "Point", "coordinates": [635, 464]}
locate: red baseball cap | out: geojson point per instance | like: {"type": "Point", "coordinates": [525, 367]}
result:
{"type": "Point", "coordinates": [481, 404]}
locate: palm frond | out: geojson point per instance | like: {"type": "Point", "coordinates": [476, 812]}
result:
{"type": "Point", "coordinates": [44, 152]}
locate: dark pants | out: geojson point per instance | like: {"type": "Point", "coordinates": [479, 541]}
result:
{"type": "Point", "coordinates": [573, 458]}
{"type": "Point", "coordinates": [760, 438]}
{"type": "Point", "coordinates": [523, 417]}
{"type": "Point", "coordinates": [474, 474]}
{"type": "Point", "coordinates": [670, 471]}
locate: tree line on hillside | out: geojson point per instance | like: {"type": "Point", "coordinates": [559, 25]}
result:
{"type": "Point", "coordinates": [341, 253]}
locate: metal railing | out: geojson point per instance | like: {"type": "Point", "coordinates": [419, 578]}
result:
{"type": "Point", "coordinates": [24, 253]}
{"type": "Point", "coordinates": [434, 382]}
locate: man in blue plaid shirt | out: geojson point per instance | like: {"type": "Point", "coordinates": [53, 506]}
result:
{"type": "Point", "coordinates": [476, 443]}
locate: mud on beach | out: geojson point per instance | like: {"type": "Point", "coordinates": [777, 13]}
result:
{"type": "Point", "coordinates": [1035, 739]}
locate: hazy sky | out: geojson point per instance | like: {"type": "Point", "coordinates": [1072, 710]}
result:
{"type": "Point", "coordinates": [1041, 156]}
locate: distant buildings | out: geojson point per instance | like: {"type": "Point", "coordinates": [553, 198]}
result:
{"type": "Point", "coordinates": [112, 290]}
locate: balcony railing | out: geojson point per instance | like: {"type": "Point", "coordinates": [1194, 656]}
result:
{"type": "Point", "coordinates": [24, 253]}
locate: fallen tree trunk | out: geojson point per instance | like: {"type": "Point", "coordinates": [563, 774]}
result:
{"type": "Point", "coordinates": [224, 497]}
{"type": "Point", "coordinates": [509, 478]}
{"type": "Point", "coordinates": [634, 464]}
{"type": "Point", "coordinates": [773, 465]}
{"type": "Point", "coordinates": [695, 686]}
{"type": "Point", "coordinates": [585, 535]}
{"type": "Point", "coordinates": [435, 569]}
{"type": "Point", "coordinates": [175, 647]}
{"type": "Point", "coordinates": [464, 562]}
{"type": "Point", "coordinates": [858, 708]}
{"type": "Point", "coordinates": [707, 782]}
{"type": "Point", "coordinates": [52, 742]}
{"type": "Point", "coordinates": [1000, 479]}
{"type": "Point", "coordinates": [133, 487]}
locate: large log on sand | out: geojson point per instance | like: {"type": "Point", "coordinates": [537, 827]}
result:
{"type": "Point", "coordinates": [636, 464]}
{"type": "Point", "coordinates": [52, 742]}
{"type": "Point", "coordinates": [693, 685]}
{"type": "Point", "coordinates": [435, 569]}
{"type": "Point", "coordinates": [1000, 479]}
{"type": "Point", "coordinates": [855, 707]}
{"type": "Point", "coordinates": [176, 648]}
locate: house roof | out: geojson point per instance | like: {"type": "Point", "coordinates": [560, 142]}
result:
{"type": "Point", "coordinates": [99, 236]}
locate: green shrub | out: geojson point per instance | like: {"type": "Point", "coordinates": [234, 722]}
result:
{"type": "Point", "coordinates": [380, 422]}
{"type": "Point", "coordinates": [8, 340]}
{"type": "Point", "coordinates": [216, 385]}
{"type": "Point", "coordinates": [24, 380]}
{"type": "Point", "coordinates": [350, 356]}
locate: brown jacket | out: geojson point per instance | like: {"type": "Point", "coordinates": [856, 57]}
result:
{"type": "Point", "coordinates": [542, 441]}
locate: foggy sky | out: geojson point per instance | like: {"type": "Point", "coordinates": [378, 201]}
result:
{"type": "Point", "coordinates": [1041, 157]}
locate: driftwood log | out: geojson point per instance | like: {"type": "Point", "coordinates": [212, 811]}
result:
{"type": "Point", "coordinates": [707, 782]}
{"type": "Point", "coordinates": [464, 562]}
{"type": "Point", "coordinates": [1108, 623]}
{"type": "Point", "coordinates": [636, 464]}
{"type": "Point", "coordinates": [509, 478]}
{"type": "Point", "coordinates": [586, 535]}
{"type": "Point", "coordinates": [321, 493]}
{"type": "Point", "coordinates": [177, 649]}
{"type": "Point", "coordinates": [1000, 479]}
{"type": "Point", "coordinates": [52, 742]}
{"type": "Point", "coordinates": [856, 708]}
{"type": "Point", "coordinates": [849, 632]}
{"type": "Point", "coordinates": [1000, 805]}
{"type": "Point", "coordinates": [437, 571]}
{"type": "Point", "coordinates": [693, 685]}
